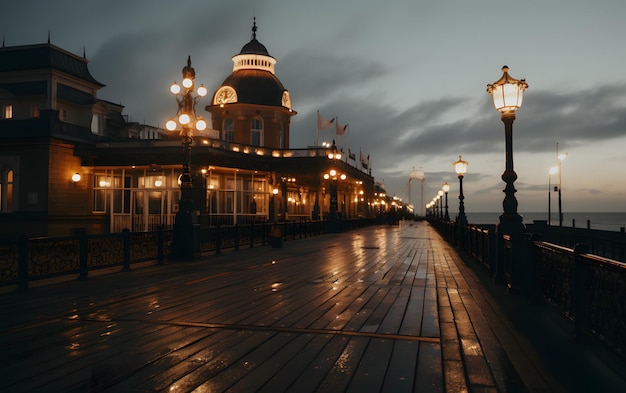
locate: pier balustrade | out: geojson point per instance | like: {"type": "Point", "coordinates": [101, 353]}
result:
{"type": "Point", "coordinates": [30, 259]}
{"type": "Point", "coordinates": [587, 289]}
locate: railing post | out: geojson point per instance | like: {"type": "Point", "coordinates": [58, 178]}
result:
{"type": "Point", "coordinates": [160, 246]}
{"type": "Point", "coordinates": [126, 240]}
{"type": "Point", "coordinates": [22, 263]}
{"type": "Point", "coordinates": [580, 293]}
{"type": "Point", "coordinates": [83, 268]}
{"type": "Point", "coordinates": [236, 237]}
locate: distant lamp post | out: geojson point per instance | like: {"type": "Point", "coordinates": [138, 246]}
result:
{"type": "Point", "coordinates": [560, 158]}
{"type": "Point", "coordinates": [507, 94]}
{"type": "Point", "coordinates": [460, 167]}
{"type": "Point", "coordinates": [334, 153]}
{"type": "Point", "coordinates": [187, 122]}
{"type": "Point", "coordinates": [273, 204]}
{"type": "Point", "coordinates": [440, 198]}
{"type": "Point", "coordinates": [446, 188]}
{"type": "Point", "coordinates": [553, 171]}
{"type": "Point", "coordinates": [333, 216]}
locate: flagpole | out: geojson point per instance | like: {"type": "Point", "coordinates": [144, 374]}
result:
{"type": "Point", "coordinates": [348, 147]}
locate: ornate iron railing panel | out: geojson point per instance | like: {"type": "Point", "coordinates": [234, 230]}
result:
{"type": "Point", "coordinates": [105, 250]}
{"type": "Point", "coordinates": [53, 256]}
{"type": "Point", "coordinates": [557, 276]}
{"type": "Point", "coordinates": [9, 257]}
{"type": "Point", "coordinates": [606, 300]}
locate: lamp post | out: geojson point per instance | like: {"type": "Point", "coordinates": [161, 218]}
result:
{"type": "Point", "coordinates": [560, 158]}
{"type": "Point", "coordinates": [273, 204]}
{"type": "Point", "coordinates": [446, 188]}
{"type": "Point", "coordinates": [333, 220]}
{"type": "Point", "coordinates": [554, 170]}
{"type": "Point", "coordinates": [460, 167]}
{"type": "Point", "coordinates": [188, 121]}
{"type": "Point", "coordinates": [440, 195]}
{"type": "Point", "coordinates": [507, 94]}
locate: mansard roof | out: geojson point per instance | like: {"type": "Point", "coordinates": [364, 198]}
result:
{"type": "Point", "coordinates": [44, 56]}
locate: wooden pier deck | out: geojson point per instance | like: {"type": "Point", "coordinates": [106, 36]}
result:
{"type": "Point", "coordinates": [378, 309]}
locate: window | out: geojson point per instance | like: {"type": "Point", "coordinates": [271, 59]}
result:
{"type": "Point", "coordinates": [256, 132]}
{"type": "Point", "coordinates": [229, 130]}
{"type": "Point", "coordinates": [6, 191]}
{"type": "Point", "coordinates": [7, 113]}
{"type": "Point", "coordinates": [97, 124]}
{"type": "Point", "coordinates": [34, 110]}
{"type": "Point", "coordinates": [64, 114]}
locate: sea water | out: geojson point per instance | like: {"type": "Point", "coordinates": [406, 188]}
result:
{"type": "Point", "coordinates": [602, 221]}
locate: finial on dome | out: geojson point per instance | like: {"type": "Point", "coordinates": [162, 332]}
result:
{"type": "Point", "coordinates": [254, 28]}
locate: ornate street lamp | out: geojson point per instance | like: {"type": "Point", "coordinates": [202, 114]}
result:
{"type": "Point", "coordinates": [507, 94]}
{"type": "Point", "coordinates": [460, 167]}
{"type": "Point", "coordinates": [333, 177]}
{"type": "Point", "coordinates": [187, 122]}
{"type": "Point", "coordinates": [446, 188]}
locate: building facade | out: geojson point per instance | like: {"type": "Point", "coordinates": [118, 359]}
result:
{"type": "Point", "coordinates": [70, 162]}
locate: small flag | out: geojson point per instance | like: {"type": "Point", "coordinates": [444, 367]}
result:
{"type": "Point", "coordinates": [323, 123]}
{"type": "Point", "coordinates": [339, 129]}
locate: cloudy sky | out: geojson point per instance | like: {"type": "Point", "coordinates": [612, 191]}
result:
{"type": "Point", "coordinates": [409, 78]}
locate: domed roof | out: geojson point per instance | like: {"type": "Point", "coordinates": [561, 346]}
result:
{"type": "Point", "coordinates": [254, 47]}
{"type": "Point", "coordinates": [253, 80]}
{"type": "Point", "coordinates": [255, 86]}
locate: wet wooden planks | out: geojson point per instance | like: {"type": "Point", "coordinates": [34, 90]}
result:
{"type": "Point", "coordinates": [378, 309]}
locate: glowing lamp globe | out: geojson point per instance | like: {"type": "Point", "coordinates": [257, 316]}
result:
{"type": "Point", "coordinates": [201, 124]}
{"type": "Point", "coordinates": [170, 125]}
{"type": "Point", "coordinates": [184, 119]}
{"type": "Point", "coordinates": [507, 92]}
{"type": "Point", "coordinates": [460, 166]}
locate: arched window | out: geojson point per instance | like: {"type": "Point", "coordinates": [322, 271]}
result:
{"type": "Point", "coordinates": [6, 191]}
{"type": "Point", "coordinates": [256, 131]}
{"type": "Point", "coordinates": [228, 130]}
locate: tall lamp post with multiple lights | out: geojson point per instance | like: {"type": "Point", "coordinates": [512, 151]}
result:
{"type": "Point", "coordinates": [460, 167]}
{"type": "Point", "coordinates": [187, 121]}
{"type": "Point", "coordinates": [507, 94]}
{"type": "Point", "coordinates": [333, 176]}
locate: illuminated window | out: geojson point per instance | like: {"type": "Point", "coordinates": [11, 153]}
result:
{"type": "Point", "coordinates": [6, 191]}
{"type": "Point", "coordinates": [8, 111]}
{"type": "Point", "coordinates": [97, 124]}
{"type": "Point", "coordinates": [256, 131]}
{"type": "Point", "coordinates": [229, 130]}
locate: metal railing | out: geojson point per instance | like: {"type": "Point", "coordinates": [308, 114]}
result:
{"type": "Point", "coordinates": [588, 289]}
{"type": "Point", "coordinates": [30, 259]}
